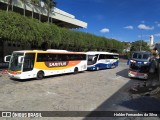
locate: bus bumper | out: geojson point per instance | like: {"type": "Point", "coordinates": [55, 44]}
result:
{"type": "Point", "coordinates": [18, 76]}
{"type": "Point", "coordinates": [91, 68]}
{"type": "Point", "coordinates": [137, 75]}
{"type": "Point", "coordinates": [14, 76]}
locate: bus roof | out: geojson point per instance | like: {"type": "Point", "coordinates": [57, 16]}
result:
{"type": "Point", "coordinates": [50, 51]}
{"type": "Point", "coordinates": [100, 52]}
{"type": "Point", "coordinates": [142, 52]}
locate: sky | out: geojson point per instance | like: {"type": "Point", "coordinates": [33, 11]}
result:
{"type": "Point", "coordinates": [123, 20]}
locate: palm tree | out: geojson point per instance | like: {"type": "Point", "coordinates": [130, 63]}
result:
{"type": "Point", "coordinates": [24, 7]}
{"type": "Point", "coordinates": [34, 3]}
{"type": "Point", "coordinates": [9, 3]}
{"type": "Point", "coordinates": [39, 3]}
{"type": "Point", "coordinates": [49, 5]}
{"type": "Point", "coordinates": [40, 6]}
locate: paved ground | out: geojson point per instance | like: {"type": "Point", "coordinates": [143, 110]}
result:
{"type": "Point", "coordinates": [105, 90]}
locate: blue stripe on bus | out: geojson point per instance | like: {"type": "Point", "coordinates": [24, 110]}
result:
{"type": "Point", "coordinates": [102, 66]}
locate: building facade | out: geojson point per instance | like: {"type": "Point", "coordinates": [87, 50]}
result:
{"type": "Point", "coordinates": [57, 16]}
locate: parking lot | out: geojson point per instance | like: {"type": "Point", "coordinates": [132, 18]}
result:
{"type": "Point", "coordinates": [104, 90]}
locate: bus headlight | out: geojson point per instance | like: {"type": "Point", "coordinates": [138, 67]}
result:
{"type": "Point", "coordinates": [132, 61]}
{"type": "Point", "coordinates": [145, 75]}
{"type": "Point", "coordinates": [145, 62]}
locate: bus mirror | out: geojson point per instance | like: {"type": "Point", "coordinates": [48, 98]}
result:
{"type": "Point", "coordinates": [7, 58]}
{"type": "Point", "coordinates": [20, 59]}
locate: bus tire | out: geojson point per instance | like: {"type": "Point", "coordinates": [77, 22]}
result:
{"type": "Point", "coordinates": [40, 75]}
{"type": "Point", "coordinates": [75, 70]}
{"type": "Point", "coordinates": [97, 68]}
{"type": "Point", "coordinates": [113, 66]}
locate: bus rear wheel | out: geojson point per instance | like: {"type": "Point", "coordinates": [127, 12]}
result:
{"type": "Point", "coordinates": [75, 70]}
{"type": "Point", "coordinates": [113, 66]}
{"type": "Point", "coordinates": [40, 75]}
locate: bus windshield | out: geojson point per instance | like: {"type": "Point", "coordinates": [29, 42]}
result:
{"type": "Point", "coordinates": [141, 56]}
{"type": "Point", "coordinates": [14, 65]}
{"type": "Point", "coordinates": [92, 59]}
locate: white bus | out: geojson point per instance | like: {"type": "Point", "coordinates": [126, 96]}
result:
{"type": "Point", "coordinates": [102, 60]}
{"type": "Point", "coordinates": [37, 64]}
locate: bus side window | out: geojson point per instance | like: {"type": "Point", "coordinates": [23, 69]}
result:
{"type": "Point", "coordinates": [71, 57]}
{"type": "Point", "coordinates": [101, 56]}
{"type": "Point", "coordinates": [66, 57]}
{"type": "Point", "coordinates": [82, 57]}
{"type": "Point", "coordinates": [51, 57]}
{"type": "Point", "coordinates": [40, 57]}
{"type": "Point", "coordinates": [55, 57]}
{"type": "Point", "coordinates": [63, 57]}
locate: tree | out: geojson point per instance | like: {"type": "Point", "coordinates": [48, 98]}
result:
{"type": "Point", "coordinates": [9, 3]}
{"type": "Point", "coordinates": [34, 3]}
{"type": "Point", "coordinates": [39, 5]}
{"type": "Point", "coordinates": [49, 5]}
{"type": "Point", "coordinates": [34, 32]}
{"type": "Point", "coordinates": [136, 46]}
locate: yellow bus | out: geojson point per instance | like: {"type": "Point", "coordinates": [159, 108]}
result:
{"type": "Point", "coordinates": [37, 64]}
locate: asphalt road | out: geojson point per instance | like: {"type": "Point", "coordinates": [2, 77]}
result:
{"type": "Point", "coordinates": [104, 90]}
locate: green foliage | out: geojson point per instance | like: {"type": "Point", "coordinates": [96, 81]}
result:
{"type": "Point", "coordinates": [140, 43]}
{"type": "Point", "coordinates": [16, 27]}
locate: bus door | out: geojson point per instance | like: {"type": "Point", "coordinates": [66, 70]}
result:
{"type": "Point", "coordinates": [28, 64]}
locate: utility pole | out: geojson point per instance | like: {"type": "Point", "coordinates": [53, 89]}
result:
{"type": "Point", "coordinates": [141, 41]}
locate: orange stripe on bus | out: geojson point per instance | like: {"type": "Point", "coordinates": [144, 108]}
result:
{"type": "Point", "coordinates": [42, 66]}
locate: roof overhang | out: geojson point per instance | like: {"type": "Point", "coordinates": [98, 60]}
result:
{"type": "Point", "coordinates": [59, 17]}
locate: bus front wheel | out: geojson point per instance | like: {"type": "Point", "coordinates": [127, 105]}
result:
{"type": "Point", "coordinates": [75, 70]}
{"type": "Point", "coordinates": [40, 75]}
{"type": "Point", "coordinates": [97, 68]}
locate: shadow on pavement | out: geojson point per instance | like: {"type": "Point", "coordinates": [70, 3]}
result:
{"type": "Point", "coordinates": [123, 73]}
{"type": "Point", "coordinates": [144, 103]}
{"type": "Point", "coordinates": [123, 100]}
